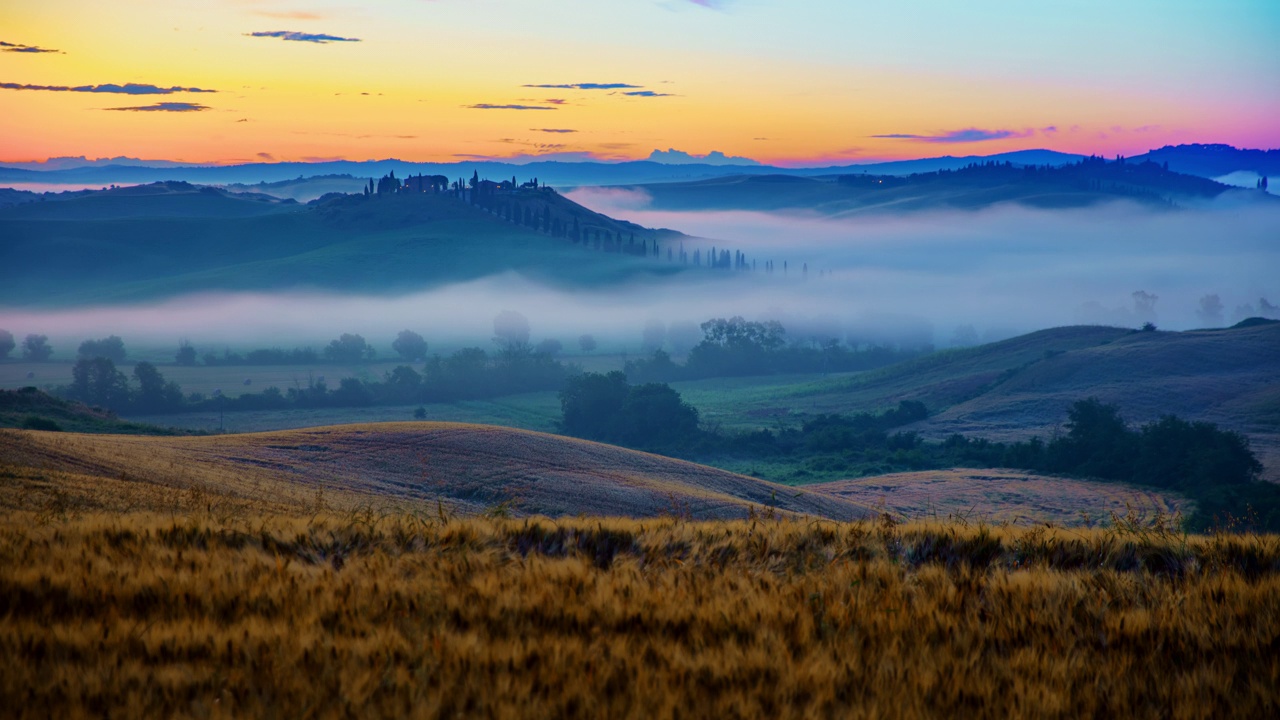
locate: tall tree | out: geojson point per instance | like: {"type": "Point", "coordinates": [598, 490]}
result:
{"type": "Point", "coordinates": [410, 345]}
{"type": "Point", "coordinates": [35, 348]}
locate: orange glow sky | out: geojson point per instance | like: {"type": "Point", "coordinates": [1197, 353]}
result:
{"type": "Point", "coordinates": [800, 82]}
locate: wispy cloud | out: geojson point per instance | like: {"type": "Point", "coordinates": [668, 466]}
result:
{"type": "Point", "coordinates": [647, 93]}
{"type": "Point", "coordinates": [126, 89]}
{"type": "Point", "coordinates": [967, 135]}
{"type": "Point", "coordinates": [490, 106]}
{"type": "Point", "coordinates": [20, 48]}
{"type": "Point", "coordinates": [317, 38]}
{"type": "Point", "coordinates": [174, 107]}
{"type": "Point", "coordinates": [587, 86]}
{"type": "Point", "coordinates": [552, 130]}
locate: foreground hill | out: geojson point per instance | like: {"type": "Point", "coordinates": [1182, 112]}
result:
{"type": "Point", "coordinates": [171, 238]}
{"type": "Point", "coordinates": [470, 468]}
{"type": "Point", "coordinates": [1089, 182]}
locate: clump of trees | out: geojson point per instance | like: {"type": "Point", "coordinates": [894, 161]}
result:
{"type": "Point", "coordinates": [737, 347]}
{"type": "Point", "coordinates": [7, 344]}
{"type": "Point", "coordinates": [36, 348]}
{"type": "Point", "coordinates": [111, 348]}
{"type": "Point", "coordinates": [410, 346]}
{"type": "Point", "coordinates": [96, 381]}
{"type": "Point", "coordinates": [607, 408]}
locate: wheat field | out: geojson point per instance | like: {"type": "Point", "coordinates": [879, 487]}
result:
{"type": "Point", "coordinates": [192, 609]}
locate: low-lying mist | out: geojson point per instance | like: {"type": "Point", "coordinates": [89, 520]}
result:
{"type": "Point", "coordinates": [943, 278]}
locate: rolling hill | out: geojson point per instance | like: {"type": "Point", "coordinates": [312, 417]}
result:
{"type": "Point", "coordinates": [1021, 387]}
{"type": "Point", "coordinates": [470, 468]}
{"type": "Point", "coordinates": [1089, 182]}
{"type": "Point", "coordinates": [152, 241]}
{"type": "Point", "coordinates": [475, 469]}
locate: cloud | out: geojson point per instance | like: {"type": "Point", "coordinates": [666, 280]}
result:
{"type": "Point", "coordinates": [489, 106]}
{"type": "Point", "coordinates": [967, 135]}
{"type": "Point", "coordinates": [552, 130]}
{"type": "Point", "coordinates": [318, 38]}
{"type": "Point", "coordinates": [709, 4]}
{"type": "Point", "coordinates": [672, 156]}
{"type": "Point", "coordinates": [20, 48]}
{"type": "Point", "coordinates": [587, 86]}
{"type": "Point", "coordinates": [126, 89]}
{"type": "Point", "coordinates": [178, 107]}
{"type": "Point", "coordinates": [266, 156]}
{"type": "Point", "coordinates": [647, 93]}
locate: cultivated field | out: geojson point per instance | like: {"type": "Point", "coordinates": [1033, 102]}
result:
{"type": "Point", "coordinates": [1002, 496]}
{"type": "Point", "coordinates": [467, 468]}
{"type": "Point", "coordinates": [255, 614]}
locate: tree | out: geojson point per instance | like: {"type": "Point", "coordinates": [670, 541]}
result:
{"type": "Point", "coordinates": [654, 416]}
{"type": "Point", "coordinates": [7, 344]}
{"type": "Point", "coordinates": [351, 392]}
{"type": "Point", "coordinates": [1098, 443]}
{"type": "Point", "coordinates": [35, 348]}
{"type": "Point", "coordinates": [606, 408]}
{"type": "Point", "coordinates": [186, 354]}
{"type": "Point", "coordinates": [590, 402]}
{"type": "Point", "coordinates": [587, 343]}
{"type": "Point", "coordinates": [405, 380]}
{"type": "Point", "coordinates": [96, 381]}
{"type": "Point", "coordinates": [410, 345]}
{"type": "Point", "coordinates": [154, 394]}
{"type": "Point", "coordinates": [348, 348]}
{"type": "Point", "coordinates": [111, 348]}
{"type": "Point", "coordinates": [511, 329]}
{"type": "Point", "coordinates": [550, 347]}
{"type": "Point", "coordinates": [1210, 312]}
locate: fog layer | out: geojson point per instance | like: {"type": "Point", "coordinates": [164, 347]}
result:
{"type": "Point", "coordinates": [943, 277]}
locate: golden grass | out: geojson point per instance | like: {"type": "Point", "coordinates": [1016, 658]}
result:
{"type": "Point", "coordinates": [255, 614]}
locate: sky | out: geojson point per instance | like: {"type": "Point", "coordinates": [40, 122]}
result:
{"type": "Point", "coordinates": [794, 83]}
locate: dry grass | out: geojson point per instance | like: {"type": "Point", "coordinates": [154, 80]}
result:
{"type": "Point", "coordinates": [365, 614]}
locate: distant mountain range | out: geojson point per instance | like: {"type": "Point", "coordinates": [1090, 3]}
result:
{"type": "Point", "coordinates": [664, 166]}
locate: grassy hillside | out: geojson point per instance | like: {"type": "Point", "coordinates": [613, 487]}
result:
{"type": "Point", "coordinates": [194, 613]}
{"type": "Point", "coordinates": [172, 238]}
{"type": "Point", "coordinates": [468, 467]}
{"type": "Point", "coordinates": [32, 409]}
{"type": "Point", "coordinates": [1076, 185]}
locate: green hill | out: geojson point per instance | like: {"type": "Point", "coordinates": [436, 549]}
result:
{"type": "Point", "coordinates": [153, 241]}
{"type": "Point", "coordinates": [1021, 387]}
